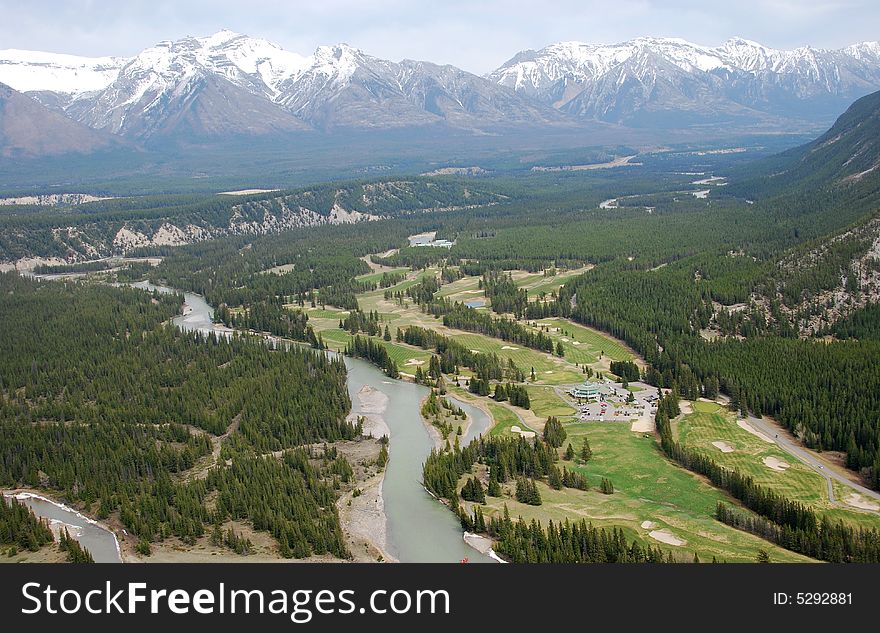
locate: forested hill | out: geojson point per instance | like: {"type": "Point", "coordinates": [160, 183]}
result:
{"type": "Point", "coordinates": [831, 188]}
{"type": "Point", "coordinates": [846, 156]}
{"type": "Point", "coordinates": [116, 226]}
{"type": "Point", "coordinates": [109, 409]}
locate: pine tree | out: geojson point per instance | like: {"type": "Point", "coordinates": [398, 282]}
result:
{"type": "Point", "coordinates": [606, 487]}
{"type": "Point", "coordinates": [494, 488]}
{"type": "Point", "coordinates": [554, 432]}
{"type": "Point", "coordinates": [586, 451]}
{"type": "Point", "coordinates": [569, 453]}
{"type": "Point", "coordinates": [554, 478]}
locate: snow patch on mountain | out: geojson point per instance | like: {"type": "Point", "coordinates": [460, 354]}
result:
{"type": "Point", "coordinates": [28, 71]}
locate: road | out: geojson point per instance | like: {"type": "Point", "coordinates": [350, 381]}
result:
{"type": "Point", "coordinates": [804, 456]}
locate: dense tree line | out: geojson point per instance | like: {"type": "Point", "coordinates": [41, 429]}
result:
{"type": "Point", "coordinates": [861, 324]}
{"type": "Point", "coordinates": [626, 369]}
{"type": "Point", "coordinates": [103, 404]}
{"type": "Point", "coordinates": [507, 459]}
{"type": "Point", "coordinates": [272, 317]}
{"type": "Point", "coordinates": [373, 351]}
{"type": "Point", "coordinates": [505, 296]}
{"type": "Point", "coordinates": [517, 395]}
{"type": "Point", "coordinates": [462, 317]}
{"type": "Point", "coordinates": [554, 432]}
{"type": "Point", "coordinates": [832, 542]}
{"type": "Point", "coordinates": [21, 528]}
{"type": "Point", "coordinates": [567, 542]}
{"type": "Point", "coordinates": [76, 553]}
{"type": "Point", "coordinates": [359, 321]}
{"type": "Point", "coordinates": [453, 354]}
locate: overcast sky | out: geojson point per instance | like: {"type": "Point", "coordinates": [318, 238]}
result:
{"type": "Point", "coordinates": [477, 36]}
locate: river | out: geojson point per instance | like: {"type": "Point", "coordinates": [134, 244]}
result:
{"type": "Point", "coordinates": [100, 543]}
{"type": "Point", "coordinates": [420, 529]}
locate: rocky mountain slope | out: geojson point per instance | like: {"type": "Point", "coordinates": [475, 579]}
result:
{"type": "Point", "coordinates": [674, 82]}
{"type": "Point", "coordinates": [228, 84]}
{"type": "Point", "coordinates": [28, 128]}
{"type": "Point", "coordinates": [116, 226]}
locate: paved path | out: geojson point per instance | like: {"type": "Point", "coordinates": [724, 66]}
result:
{"type": "Point", "coordinates": [804, 455]}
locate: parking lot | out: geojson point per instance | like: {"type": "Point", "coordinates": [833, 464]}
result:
{"type": "Point", "coordinates": [612, 405]}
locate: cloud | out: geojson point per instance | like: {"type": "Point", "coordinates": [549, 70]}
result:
{"type": "Point", "coordinates": [474, 35]}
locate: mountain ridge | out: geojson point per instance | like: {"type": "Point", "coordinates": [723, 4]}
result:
{"type": "Point", "coordinates": [672, 74]}
{"type": "Point", "coordinates": [229, 85]}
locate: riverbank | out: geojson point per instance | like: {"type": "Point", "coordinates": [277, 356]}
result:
{"type": "Point", "coordinates": [482, 544]}
{"type": "Point", "coordinates": [362, 515]}
{"type": "Point", "coordinates": [75, 520]}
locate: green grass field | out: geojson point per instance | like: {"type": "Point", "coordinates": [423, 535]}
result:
{"type": "Point", "coordinates": [585, 345]}
{"type": "Point", "coordinates": [647, 488]}
{"type": "Point", "coordinates": [504, 419]}
{"type": "Point", "coordinates": [710, 422]}
{"type": "Point", "coordinates": [545, 403]}
{"type": "Point", "coordinates": [374, 278]}
{"type": "Point", "coordinates": [538, 283]}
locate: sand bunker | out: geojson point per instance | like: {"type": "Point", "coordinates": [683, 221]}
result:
{"type": "Point", "coordinates": [724, 447]}
{"type": "Point", "coordinates": [857, 501]}
{"type": "Point", "coordinates": [776, 464]}
{"type": "Point", "coordinates": [476, 351]}
{"type": "Point", "coordinates": [525, 434]}
{"type": "Point", "coordinates": [648, 525]}
{"type": "Point", "coordinates": [413, 361]}
{"type": "Point", "coordinates": [644, 424]}
{"type": "Point", "coordinates": [665, 536]}
{"type": "Point", "coordinates": [509, 347]}
{"type": "Point", "coordinates": [685, 407]}
{"type": "Point", "coordinates": [745, 426]}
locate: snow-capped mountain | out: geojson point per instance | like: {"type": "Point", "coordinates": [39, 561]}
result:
{"type": "Point", "coordinates": [648, 79]}
{"type": "Point", "coordinates": [343, 87]}
{"type": "Point", "coordinates": [229, 83]}
{"type": "Point", "coordinates": [34, 71]}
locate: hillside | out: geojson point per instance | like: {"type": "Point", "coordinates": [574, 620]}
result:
{"type": "Point", "coordinates": [116, 226]}
{"type": "Point", "coordinates": [28, 128]}
{"type": "Point", "coordinates": [847, 156]}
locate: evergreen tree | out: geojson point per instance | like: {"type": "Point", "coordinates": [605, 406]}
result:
{"type": "Point", "coordinates": [554, 432]}
{"type": "Point", "coordinates": [586, 451]}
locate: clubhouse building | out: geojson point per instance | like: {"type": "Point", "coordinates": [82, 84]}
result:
{"type": "Point", "coordinates": [586, 391]}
